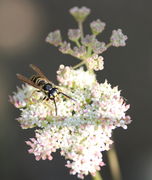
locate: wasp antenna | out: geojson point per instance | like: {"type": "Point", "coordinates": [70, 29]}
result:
{"type": "Point", "coordinates": [67, 96]}
{"type": "Point", "coordinates": [31, 64]}
{"type": "Point", "coordinates": [19, 76]}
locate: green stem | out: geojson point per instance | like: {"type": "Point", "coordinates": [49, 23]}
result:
{"type": "Point", "coordinates": [78, 65]}
{"type": "Point", "coordinates": [77, 43]}
{"type": "Point", "coordinates": [89, 51]}
{"type": "Point", "coordinates": [97, 176]}
{"type": "Point", "coordinates": [114, 164]}
{"type": "Point", "coordinates": [108, 45]}
{"type": "Point", "coordinates": [80, 24]}
{"type": "Point", "coordinates": [90, 70]}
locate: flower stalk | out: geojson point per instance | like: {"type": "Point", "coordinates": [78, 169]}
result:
{"type": "Point", "coordinates": [80, 25]}
{"type": "Point", "coordinates": [79, 65]}
{"type": "Point", "coordinates": [97, 176]}
{"type": "Point", "coordinates": [114, 164]}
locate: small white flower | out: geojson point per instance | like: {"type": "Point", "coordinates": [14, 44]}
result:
{"type": "Point", "coordinates": [95, 62]}
{"type": "Point", "coordinates": [65, 47]}
{"type": "Point", "coordinates": [99, 47]}
{"type": "Point", "coordinates": [54, 38]}
{"type": "Point", "coordinates": [74, 34]}
{"type": "Point", "coordinates": [97, 26]}
{"type": "Point", "coordinates": [118, 38]}
{"type": "Point", "coordinates": [80, 14]}
{"type": "Point", "coordinates": [79, 51]}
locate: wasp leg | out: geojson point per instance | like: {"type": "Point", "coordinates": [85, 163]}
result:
{"type": "Point", "coordinates": [33, 93]}
{"type": "Point", "coordinates": [44, 98]}
{"type": "Point", "coordinates": [55, 105]}
{"type": "Point", "coordinates": [53, 98]}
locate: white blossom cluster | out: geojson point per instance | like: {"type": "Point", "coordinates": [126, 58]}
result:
{"type": "Point", "coordinates": [82, 128]}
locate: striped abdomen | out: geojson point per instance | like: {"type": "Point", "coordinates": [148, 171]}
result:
{"type": "Point", "coordinates": [38, 80]}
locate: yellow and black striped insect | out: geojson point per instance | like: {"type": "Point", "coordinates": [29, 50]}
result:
{"type": "Point", "coordinates": [41, 82]}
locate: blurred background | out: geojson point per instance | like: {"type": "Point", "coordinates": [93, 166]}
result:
{"type": "Point", "coordinates": [24, 25]}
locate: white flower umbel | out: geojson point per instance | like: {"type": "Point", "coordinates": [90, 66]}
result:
{"type": "Point", "coordinates": [82, 129]}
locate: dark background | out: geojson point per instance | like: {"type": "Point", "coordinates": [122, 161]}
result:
{"type": "Point", "coordinates": [24, 25]}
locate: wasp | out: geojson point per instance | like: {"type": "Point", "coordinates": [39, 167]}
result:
{"type": "Point", "coordinates": [43, 84]}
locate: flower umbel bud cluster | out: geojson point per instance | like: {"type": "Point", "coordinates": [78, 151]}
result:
{"type": "Point", "coordinates": [86, 46]}
{"type": "Point", "coordinates": [83, 127]}
{"type": "Point", "coordinates": [80, 14]}
{"type": "Point", "coordinates": [97, 26]}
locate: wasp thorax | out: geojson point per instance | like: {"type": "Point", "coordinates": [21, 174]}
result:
{"type": "Point", "coordinates": [47, 87]}
{"type": "Point", "coordinates": [53, 91]}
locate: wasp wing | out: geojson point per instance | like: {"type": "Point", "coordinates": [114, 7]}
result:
{"type": "Point", "coordinates": [40, 73]}
{"type": "Point", "coordinates": [26, 80]}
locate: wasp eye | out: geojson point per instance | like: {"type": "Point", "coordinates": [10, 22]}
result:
{"type": "Point", "coordinates": [47, 87]}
